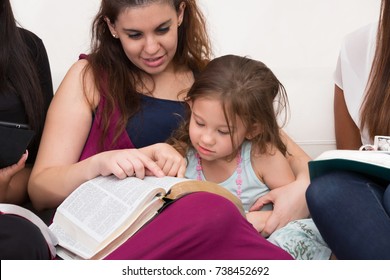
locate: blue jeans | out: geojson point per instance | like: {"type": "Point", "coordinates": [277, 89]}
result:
{"type": "Point", "coordinates": [351, 212]}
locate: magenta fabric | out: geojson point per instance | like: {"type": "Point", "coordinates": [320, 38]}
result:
{"type": "Point", "coordinates": [199, 226]}
{"type": "Point", "coordinates": [91, 146]}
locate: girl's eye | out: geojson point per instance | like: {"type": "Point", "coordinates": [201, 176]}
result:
{"type": "Point", "coordinates": [223, 132]}
{"type": "Point", "coordinates": [199, 124]}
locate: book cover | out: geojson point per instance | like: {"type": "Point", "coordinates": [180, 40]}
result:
{"type": "Point", "coordinates": [372, 163]}
{"type": "Point", "coordinates": [14, 139]}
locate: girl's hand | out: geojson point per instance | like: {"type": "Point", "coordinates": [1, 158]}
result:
{"type": "Point", "coordinates": [126, 163]}
{"type": "Point", "coordinates": [258, 219]}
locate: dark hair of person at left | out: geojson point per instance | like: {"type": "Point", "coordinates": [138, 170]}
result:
{"type": "Point", "coordinates": [19, 71]}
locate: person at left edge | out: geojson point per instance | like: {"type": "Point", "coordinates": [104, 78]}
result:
{"type": "Point", "coordinates": [26, 91]}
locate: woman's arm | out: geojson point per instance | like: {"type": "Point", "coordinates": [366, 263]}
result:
{"type": "Point", "coordinates": [289, 200]}
{"type": "Point", "coordinates": [347, 132]}
{"type": "Point", "coordinates": [57, 170]}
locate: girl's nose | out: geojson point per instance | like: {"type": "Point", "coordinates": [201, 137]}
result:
{"type": "Point", "coordinates": [208, 139]}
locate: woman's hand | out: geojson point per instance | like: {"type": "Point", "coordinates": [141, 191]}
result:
{"type": "Point", "coordinates": [8, 193]}
{"type": "Point", "coordinates": [126, 163]}
{"type": "Point", "coordinates": [167, 158]}
{"type": "Point", "coordinates": [258, 219]}
{"type": "Point", "coordinates": [289, 204]}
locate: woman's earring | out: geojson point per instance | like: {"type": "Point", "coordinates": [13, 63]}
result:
{"type": "Point", "coordinates": [114, 35]}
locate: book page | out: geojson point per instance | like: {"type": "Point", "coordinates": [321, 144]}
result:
{"type": "Point", "coordinates": [95, 211]}
{"type": "Point", "coordinates": [164, 182]}
{"type": "Point", "coordinates": [381, 158]}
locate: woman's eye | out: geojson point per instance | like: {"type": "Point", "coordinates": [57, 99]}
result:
{"type": "Point", "coordinates": [135, 36]}
{"type": "Point", "coordinates": [163, 30]}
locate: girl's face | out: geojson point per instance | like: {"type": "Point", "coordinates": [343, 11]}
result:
{"type": "Point", "coordinates": [149, 35]}
{"type": "Point", "coordinates": [209, 131]}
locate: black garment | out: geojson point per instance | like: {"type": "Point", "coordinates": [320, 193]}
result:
{"type": "Point", "coordinates": [21, 240]}
{"type": "Point", "coordinates": [11, 106]}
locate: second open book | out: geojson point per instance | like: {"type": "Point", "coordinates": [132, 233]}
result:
{"type": "Point", "coordinates": [371, 163]}
{"type": "Point", "coordinates": [104, 212]}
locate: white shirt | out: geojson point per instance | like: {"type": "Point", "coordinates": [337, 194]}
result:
{"type": "Point", "coordinates": [353, 68]}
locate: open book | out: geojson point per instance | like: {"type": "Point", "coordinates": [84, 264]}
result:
{"type": "Point", "coordinates": [371, 163]}
{"type": "Point", "coordinates": [104, 212]}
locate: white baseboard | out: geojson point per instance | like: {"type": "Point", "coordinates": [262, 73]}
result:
{"type": "Point", "coordinates": [315, 147]}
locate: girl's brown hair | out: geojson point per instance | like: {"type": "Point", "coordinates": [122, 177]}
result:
{"type": "Point", "coordinates": [375, 114]}
{"type": "Point", "coordinates": [247, 89]}
{"type": "Point", "coordinates": [109, 62]}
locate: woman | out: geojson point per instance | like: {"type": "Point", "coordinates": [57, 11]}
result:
{"type": "Point", "coordinates": [128, 93]}
{"type": "Point", "coordinates": [352, 210]}
{"type": "Point", "coordinates": [25, 93]}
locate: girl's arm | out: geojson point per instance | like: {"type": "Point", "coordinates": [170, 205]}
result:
{"type": "Point", "coordinates": [289, 200]}
{"type": "Point", "coordinates": [347, 132]}
{"type": "Point", "coordinates": [57, 170]}
{"type": "Point", "coordinates": [274, 170]}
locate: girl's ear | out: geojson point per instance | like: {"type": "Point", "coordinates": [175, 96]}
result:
{"type": "Point", "coordinates": [253, 131]}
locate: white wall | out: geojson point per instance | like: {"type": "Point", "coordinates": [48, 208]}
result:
{"type": "Point", "coordinates": [298, 39]}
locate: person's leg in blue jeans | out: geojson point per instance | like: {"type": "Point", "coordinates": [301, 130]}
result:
{"type": "Point", "coordinates": [351, 212]}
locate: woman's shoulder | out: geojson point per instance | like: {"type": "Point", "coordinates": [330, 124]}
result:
{"type": "Point", "coordinates": [33, 42]}
{"type": "Point", "coordinates": [79, 75]}
{"type": "Point", "coordinates": [29, 36]}
{"type": "Point", "coordinates": [79, 65]}
{"type": "Point", "coordinates": [362, 37]}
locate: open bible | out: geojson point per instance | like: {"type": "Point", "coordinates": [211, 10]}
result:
{"type": "Point", "coordinates": [101, 214]}
{"type": "Point", "coordinates": [372, 163]}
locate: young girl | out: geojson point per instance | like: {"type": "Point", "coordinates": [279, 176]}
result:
{"type": "Point", "coordinates": [232, 137]}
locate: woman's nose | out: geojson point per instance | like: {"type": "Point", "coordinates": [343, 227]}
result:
{"type": "Point", "coordinates": [151, 45]}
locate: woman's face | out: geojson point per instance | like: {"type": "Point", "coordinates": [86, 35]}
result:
{"type": "Point", "coordinates": [149, 35]}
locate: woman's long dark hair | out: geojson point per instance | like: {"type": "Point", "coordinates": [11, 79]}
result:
{"type": "Point", "coordinates": [107, 54]}
{"type": "Point", "coordinates": [18, 72]}
{"type": "Point", "coordinates": [375, 111]}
